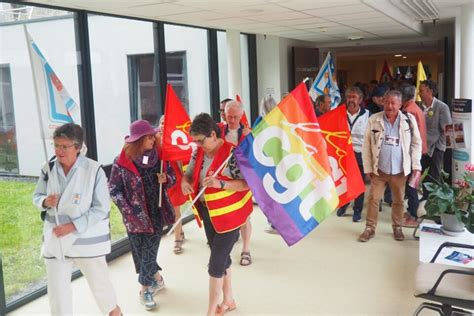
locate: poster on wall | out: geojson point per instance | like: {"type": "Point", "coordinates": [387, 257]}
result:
{"type": "Point", "coordinates": [459, 135]}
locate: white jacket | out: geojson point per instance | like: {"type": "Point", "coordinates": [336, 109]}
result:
{"type": "Point", "coordinates": [410, 141]}
{"type": "Point", "coordinates": [85, 202]}
{"type": "Point", "coordinates": [358, 129]}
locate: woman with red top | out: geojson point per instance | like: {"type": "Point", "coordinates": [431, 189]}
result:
{"type": "Point", "coordinates": [177, 197]}
{"type": "Point", "coordinates": [224, 207]}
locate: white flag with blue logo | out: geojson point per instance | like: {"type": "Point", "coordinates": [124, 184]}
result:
{"type": "Point", "coordinates": [55, 105]}
{"type": "Point", "coordinates": [325, 83]}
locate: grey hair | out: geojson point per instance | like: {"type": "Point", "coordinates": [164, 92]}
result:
{"type": "Point", "coordinates": [70, 131]}
{"type": "Point", "coordinates": [235, 104]}
{"type": "Point", "coordinates": [393, 93]}
{"type": "Point", "coordinates": [408, 92]}
{"type": "Point", "coordinates": [356, 90]}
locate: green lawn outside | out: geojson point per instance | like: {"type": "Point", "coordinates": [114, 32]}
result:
{"type": "Point", "coordinates": [20, 237]}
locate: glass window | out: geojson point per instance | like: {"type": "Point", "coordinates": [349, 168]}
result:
{"type": "Point", "coordinates": [143, 84]}
{"type": "Point", "coordinates": [188, 66]}
{"type": "Point", "coordinates": [21, 147]}
{"type": "Point", "coordinates": [123, 78]}
{"type": "Point", "coordinates": [8, 149]}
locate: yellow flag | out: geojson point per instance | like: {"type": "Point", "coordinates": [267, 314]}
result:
{"type": "Point", "coordinates": [420, 76]}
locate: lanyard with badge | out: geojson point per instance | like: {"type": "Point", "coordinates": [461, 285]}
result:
{"type": "Point", "coordinates": [392, 140]}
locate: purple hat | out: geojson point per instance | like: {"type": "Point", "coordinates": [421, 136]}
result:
{"type": "Point", "coordinates": [138, 129]}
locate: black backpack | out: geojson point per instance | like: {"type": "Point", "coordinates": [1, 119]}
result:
{"type": "Point", "coordinates": [45, 178]}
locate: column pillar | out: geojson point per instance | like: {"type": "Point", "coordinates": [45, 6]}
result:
{"type": "Point", "coordinates": [467, 51]}
{"type": "Point", "coordinates": [234, 73]}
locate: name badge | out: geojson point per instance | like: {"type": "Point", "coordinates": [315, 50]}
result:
{"type": "Point", "coordinates": [145, 160]}
{"type": "Point", "coordinates": [392, 140]}
{"type": "Point", "coordinates": [76, 198]}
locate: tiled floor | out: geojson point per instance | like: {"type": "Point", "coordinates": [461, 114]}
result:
{"type": "Point", "coordinates": [327, 273]}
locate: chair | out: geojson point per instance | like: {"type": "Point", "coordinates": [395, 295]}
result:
{"type": "Point", "coordinates": [451, 287]}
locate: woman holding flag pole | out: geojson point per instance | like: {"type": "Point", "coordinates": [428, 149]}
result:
{"type": "Point", "coordinates": [224, 207]}
{"type": "Point", "coordinates": [135, 188]}
{"type": "Point", "coordinates": [177, 198]}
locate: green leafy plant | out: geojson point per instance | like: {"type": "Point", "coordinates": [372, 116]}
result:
{"type": "Point", "coordinates": [456, 199]}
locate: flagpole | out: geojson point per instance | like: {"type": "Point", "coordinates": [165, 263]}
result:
{"type": "Point", "coordinates": [42, 134]}
{"type": "Point", "coordinates": [197, 196]}
{"type": "Point", "coordinates": [161, 186]}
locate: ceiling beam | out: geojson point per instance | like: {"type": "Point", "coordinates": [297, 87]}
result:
{"type": "Point", "coordinates": [386, 8]}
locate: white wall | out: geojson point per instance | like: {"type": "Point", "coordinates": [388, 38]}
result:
{"type": "Point", "coordinates": [268, 66]}
{"type": "Point", "coordinates": [274, 64]}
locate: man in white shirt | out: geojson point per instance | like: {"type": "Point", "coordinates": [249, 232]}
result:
{"type": "Point", "coordinates": [357, 118]}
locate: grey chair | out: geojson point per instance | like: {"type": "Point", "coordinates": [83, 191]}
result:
{"type": "Point", "coordinates": [451, 287]}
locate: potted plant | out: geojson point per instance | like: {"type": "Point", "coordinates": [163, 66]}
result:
{"type": "Point", "coordinates": [453, 203]}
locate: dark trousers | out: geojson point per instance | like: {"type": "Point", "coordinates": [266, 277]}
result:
{"type": "Point", "coordinates": [435, 163]}
{"type": "Point", "coordinates": [359, 201]}
{"type": "Point", "coordinates": [387, 195]}
{"type": "Point", "coordinates": [221, 244]}
{"type": "Point", "coordinates": [413, 201]}
{"type": "Point", "coordinates": [144, 253]}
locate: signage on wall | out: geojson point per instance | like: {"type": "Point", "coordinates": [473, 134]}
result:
{"type": "Point", "coordinates": [458, 136]}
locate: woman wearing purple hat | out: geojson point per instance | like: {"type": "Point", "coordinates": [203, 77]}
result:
{"type": "Point", "coordinates": [135, 188]}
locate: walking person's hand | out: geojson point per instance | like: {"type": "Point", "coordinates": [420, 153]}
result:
{"type": "Point", "coordinates": [51, 200]}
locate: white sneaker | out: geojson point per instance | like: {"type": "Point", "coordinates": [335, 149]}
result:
{"type": "Point", "coordinates": [146, 298]}
{"type": "Point", "coordinates": [157, 286]}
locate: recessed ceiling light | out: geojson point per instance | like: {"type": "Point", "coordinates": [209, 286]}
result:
{"type": "Point", "coordinates": [354, 38]}
{"type": "Point", "coordinates": [397, 55]}
{"type": "Point", "coordinates": [323, 29]}
{"type": "Point", "coordinates": [404, 57]}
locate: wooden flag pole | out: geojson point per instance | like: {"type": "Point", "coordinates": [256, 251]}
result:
{"type": "Point", "coordinates": [197, 196]}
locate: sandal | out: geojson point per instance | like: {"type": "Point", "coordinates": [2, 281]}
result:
{"type": "Point", "coordinates": [225, 307]}
{"type": "Point", "coordinates": [245, 258]}
{"type": "Point", "coordinates": [178, 246]}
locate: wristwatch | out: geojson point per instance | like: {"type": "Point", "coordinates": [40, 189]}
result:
{"type": "Point", "coordinates": [222, 182]}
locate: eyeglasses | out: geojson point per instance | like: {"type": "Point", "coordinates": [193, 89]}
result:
{"type": "Point", "coordinates": [62, 147]}
{"type": "Point", "coordinates": [200, 141]}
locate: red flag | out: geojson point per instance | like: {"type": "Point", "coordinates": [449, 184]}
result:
{"type": "Point", "coordinates": [386, 75]}
{"type": "Point", "coordinates": [345, 172]}
{"type": "Point", "coordinates": [243, 119]}
{"type": "Point", "coordinates": [177, 144]}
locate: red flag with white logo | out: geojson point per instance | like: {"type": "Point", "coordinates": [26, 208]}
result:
{"type": "Point", "coordinates": [176, 143]}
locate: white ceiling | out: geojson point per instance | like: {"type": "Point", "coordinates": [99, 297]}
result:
{"type": "Point", "coordinates": [323, 21]}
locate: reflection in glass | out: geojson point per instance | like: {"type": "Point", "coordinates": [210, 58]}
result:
{"type": "Point", "coordinates": [8, 148]}
{"type": "Point", "coordinates": [188, 66]}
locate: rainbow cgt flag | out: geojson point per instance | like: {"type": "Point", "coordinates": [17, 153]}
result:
{"type": "Point", "coordinates": [285, 163]}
